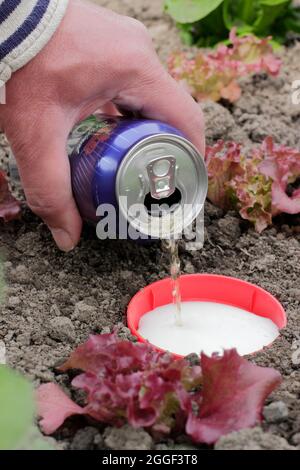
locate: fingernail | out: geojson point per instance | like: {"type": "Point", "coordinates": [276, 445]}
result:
{"type": "Point", "coordinates": [62, 239]}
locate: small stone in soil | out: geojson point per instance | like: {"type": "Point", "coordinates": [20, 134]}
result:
{"type": "Point", "coordinates": [62, 329]}
{"type": "Point", "coordinates": [20, 274]}
{"type": "Point", "coordinates": [124, 333]}
{"type": "Point", "coordinates": [127, 438]}
{"type": "Point", "coordinates": [83, 312]}
{"type": "Point", "coordinates": [24, 339]}
{"type": "Point", "coordinates": [179, 447]}
{"type": "Point", "coordinates": [252, 439]}
{"type": "Point", "coordinates": [106, 330]}
{"type": "Point", "coordinates": [295, 293]}
{"type": "Point", "coordinates": [54, 311]}
{"type": "Point", "coordinates": [86, 439]}
{"type": "Point", "coordinates": [276, 412]}
{"type": "Point", "coordinates": [13, 301]}
{"type": "Point", "coordinates": [296, 439]}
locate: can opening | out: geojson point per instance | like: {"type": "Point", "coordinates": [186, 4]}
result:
{"type": "Point", "coordinates": [159, 207]}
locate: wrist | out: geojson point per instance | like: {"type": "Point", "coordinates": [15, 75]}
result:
{"type": "Point", "coordinates": [26, 28]}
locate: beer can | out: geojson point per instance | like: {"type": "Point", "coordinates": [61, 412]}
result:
{"type": "Point", "coordinates": [146, 171]}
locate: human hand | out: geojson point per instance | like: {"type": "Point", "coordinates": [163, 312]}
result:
{"type": "Point", "coordinates": [95, 58]}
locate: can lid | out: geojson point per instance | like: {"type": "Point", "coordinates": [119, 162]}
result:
{"type": "Point", "coordinates": [161, 185]}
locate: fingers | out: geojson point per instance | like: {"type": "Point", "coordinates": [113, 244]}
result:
{"type": "Point", "coordinates": [45, 174]}
{"type": "Point", "coordinates": [97, 106]}
{"type": "Point", "coordinates": [160, 97]}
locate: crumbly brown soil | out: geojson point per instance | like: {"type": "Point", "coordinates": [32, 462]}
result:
{"type": "Point", "coordinates": [54, 300]}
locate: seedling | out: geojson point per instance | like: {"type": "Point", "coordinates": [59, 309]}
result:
{"type": "Point", "coordinates": [214, 75]}
{"type": "Point", "coordinates": [260, 184]}
{"type": "Point", "coordinates": [131, 382]}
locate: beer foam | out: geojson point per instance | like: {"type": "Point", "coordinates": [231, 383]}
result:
{"type": "Point", "coordinates": [207, 326]}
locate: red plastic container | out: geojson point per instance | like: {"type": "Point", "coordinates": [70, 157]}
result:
{"type": "Point", "coordinates": [206, 288]}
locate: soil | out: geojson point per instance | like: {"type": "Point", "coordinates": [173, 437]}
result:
{"type": "Point", "coordinates": [54, 300]}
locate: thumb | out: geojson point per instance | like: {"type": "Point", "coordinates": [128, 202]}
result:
{"type": "Point", "coordinates": [45, 174]}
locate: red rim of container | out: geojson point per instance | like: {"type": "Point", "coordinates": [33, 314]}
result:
{"type": "Point", "coordinates": [207, 288]}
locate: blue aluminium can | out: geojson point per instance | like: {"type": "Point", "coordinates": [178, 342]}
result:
{"type": "Point", "coordinates": [137, 163]}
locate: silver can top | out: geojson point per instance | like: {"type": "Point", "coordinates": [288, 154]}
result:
{"type": "Point", "coordinates": [161, 185]}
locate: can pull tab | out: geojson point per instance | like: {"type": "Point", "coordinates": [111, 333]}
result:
{"type": "Point", "coordinates": [161, 173]}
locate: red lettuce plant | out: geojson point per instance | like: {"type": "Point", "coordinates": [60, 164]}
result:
{"type": "Point", "coordinates": [214, 75]}
{"type": "Point", "coordinates": [282, 165]}
{"type": "Point", "coordinates": [131, 382]}
{"type": "Point", "coordinates": [10, 208]}
{"type": "Point", "coordinates": [257, 183]}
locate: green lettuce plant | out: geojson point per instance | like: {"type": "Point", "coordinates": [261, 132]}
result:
{"type": "Point", "coordinates": [207, 22]}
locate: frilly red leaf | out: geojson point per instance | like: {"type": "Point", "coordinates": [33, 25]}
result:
{"type": "Point", "coordinates": [214, 75]}
{"type": "Point", "coordinates": [222, 162]}
{"type": "Point", "coordinates": [255, 183]}
{"type": "Point", "coordinates": [150, 389]}
{"type": "Point", "coordinates": [10, 208]}
{"type": "Point", "coordinates": [101, 352]}
{"type": "Point", "coordinates": [282, 165]}
{"type": "Point", "coordinates": [234, 391]}
{"type": "Point", "coordinates": [54, 406]}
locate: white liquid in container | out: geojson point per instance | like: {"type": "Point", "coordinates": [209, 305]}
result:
{"type": "Point", "coordinates": [207, 326]}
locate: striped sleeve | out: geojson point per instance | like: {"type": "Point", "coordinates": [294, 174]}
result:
{"type": "Point", "coordinates": [25, 28]}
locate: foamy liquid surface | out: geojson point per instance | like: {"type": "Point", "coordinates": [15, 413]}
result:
{"type": "Point", "coordinates": [207, 326]}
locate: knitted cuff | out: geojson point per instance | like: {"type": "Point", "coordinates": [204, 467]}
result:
{"type": "Point", "coordinates": [25, 28]}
